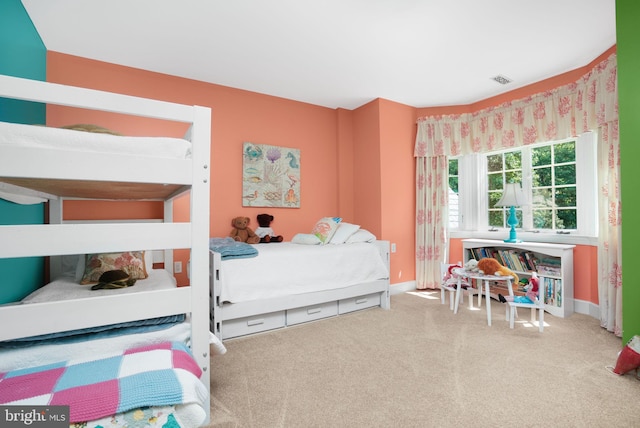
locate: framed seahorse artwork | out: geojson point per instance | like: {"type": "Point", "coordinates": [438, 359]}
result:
{"type": "Point", "coordinates": [270, 176]}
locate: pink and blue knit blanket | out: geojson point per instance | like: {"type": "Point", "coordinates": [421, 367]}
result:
{"type": "Point", "coordinates": [154, 375]}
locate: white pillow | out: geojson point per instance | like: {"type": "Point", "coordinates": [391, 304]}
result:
{"type": "Point", "coordinates": [362, 235]}
{"type": "Point", "coordinates": [345, 230]}
{"type": "Point", "coordinates": [306, 239]}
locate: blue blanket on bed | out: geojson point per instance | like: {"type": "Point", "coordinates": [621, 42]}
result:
{"type": "Point", "coordinates": [231, 249]}
{"type": "Point", "coordinates": [99, 332]}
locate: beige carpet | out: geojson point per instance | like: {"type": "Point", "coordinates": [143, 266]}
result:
{"type": "Point", "coordinates": [419, 365]}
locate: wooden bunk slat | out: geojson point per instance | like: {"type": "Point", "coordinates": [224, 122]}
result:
{"type": "Point", "coordinates": [94, 175]}
{"type": "Point", "coordinates": [112, 190]}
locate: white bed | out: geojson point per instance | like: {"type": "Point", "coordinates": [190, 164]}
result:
{"type": "Point", "coordinates": [288, 284]}
{"type": "Point", "coordinates": [51, 169]}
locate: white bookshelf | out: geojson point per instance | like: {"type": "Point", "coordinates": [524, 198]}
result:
{"type": "Point", "coordinates": [553, 263]}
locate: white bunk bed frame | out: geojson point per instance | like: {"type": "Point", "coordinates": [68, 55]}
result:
{"type": "Point", "coordinates": [229, 320]}
{"type": "Point", "coordinates": [49, 171]}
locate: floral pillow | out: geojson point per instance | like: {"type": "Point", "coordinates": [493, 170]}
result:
{"type": "Point", "coordinates": [325, 228]}
{"type": "Point", "coordinates": [132, 262]}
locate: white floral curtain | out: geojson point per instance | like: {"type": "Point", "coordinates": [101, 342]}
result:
{"type": "Point", "coordinates": [432, 193]}
{"type": "Point", "coordinates": [610, 234]}
{"type": "Point", "coordinates": [591, 103]}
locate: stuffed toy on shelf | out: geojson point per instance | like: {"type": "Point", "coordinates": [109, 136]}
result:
{"type": "Point", "coordinates": [241, 231]}
{"type": "Point", "coordinates": [265, 232]}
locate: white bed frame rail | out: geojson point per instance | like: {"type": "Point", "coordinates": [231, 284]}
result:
{"type": "Point", "coordinates": [252, 311]}
{"type": "Point", "coordinates": [58, 239]}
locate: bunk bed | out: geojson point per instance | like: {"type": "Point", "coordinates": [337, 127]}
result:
{"type": "Point", "coordinates": [52, 167]}
{"type": "Point", "coordinates": [288, 284]}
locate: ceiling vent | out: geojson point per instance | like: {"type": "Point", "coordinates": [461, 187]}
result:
{"type": "Point", "coordinates": [501, 79]}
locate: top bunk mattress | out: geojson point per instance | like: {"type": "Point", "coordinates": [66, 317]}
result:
{"type": "Point", "coordinates": [285, 268]}
{"type": "Point", "coordinates": [41, 163]}
{"type": "Point", "coordinates": [44, 137]}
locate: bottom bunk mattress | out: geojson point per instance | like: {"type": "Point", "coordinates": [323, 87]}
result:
{"type": "Point", "coordinates": [282, 269]}
{"type": "Point", "coordinates": [122, 385]}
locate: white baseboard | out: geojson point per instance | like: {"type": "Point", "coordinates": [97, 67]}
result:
{"type": "Point", "coordinates": [586, 308]}
{"type": "Point", "coordinates": [402, 287]}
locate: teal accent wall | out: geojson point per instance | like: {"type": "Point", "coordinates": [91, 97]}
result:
{"type": "Point", "coordinates": [628, 40]}
{"type": "Point", "coordinates": [22, 54]}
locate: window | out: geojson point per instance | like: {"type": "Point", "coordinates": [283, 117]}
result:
{"type": "Point", "coordinates": [454, 205]}
{"type": "Point", "coordinates": [557, 177]}
{"type": "Point", "coordinates": [502, 168]}
{"type": "Point", "coordinates": [553, 198]}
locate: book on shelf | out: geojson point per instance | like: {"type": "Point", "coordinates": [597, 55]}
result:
{"type": "Point", "coordinates": [520, 261]}
{"type": "Point", "coordinates": [496, 255]}
{"type": "Point", "coordinates": [544, 270]}
{"type": "Point", "coordinates": [553, 291]}
{"type": "Point", "coordinates": [549, 266]}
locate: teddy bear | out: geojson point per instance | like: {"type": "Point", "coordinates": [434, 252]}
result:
{"type": "Point", "coordinates": [531, 292]}
{"type": "Point", "coordinates": [490, 266]}
{"type": "Point", "coordinates": [241, 231]}
{"type": "Point", "coordinates": [265, 232]}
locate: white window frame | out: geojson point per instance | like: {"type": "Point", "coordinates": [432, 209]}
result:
{"type": "Point", "coordinates": [473, 185]}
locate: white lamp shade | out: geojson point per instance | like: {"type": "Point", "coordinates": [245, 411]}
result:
{"type": "Point", "coordinates": [513, 196]}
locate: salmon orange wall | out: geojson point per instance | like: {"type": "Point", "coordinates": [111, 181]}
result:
{"type": "Point", "coordinates": [346, 161]}
{"type": "Point", "coordinates": [237, 116]}
{"type": "Point", "coordinates": [397, 172]}
{"type": "Point", "coordinates": [383, 194]}
{"type": "Point", "coordinates": [366, 168]}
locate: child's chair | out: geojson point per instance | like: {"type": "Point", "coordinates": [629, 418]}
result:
{"type": "Point", "coordinates": [450, 286]}
{"type": "Point", "coordinates": [538, 304]}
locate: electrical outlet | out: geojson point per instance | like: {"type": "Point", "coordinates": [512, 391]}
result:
{"type": "Point", "coordinates": [177, 267]}
{"type": "Point", "coordinates": [393, 247]}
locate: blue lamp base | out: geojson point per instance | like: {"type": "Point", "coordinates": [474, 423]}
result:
{"type": "Point", "coordinates": [512, 240]}
{"type": "Point", "coordinates": [512, 221]}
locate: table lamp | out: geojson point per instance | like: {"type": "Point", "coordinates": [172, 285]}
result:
{"type": "Point", "coordinates": [512, 197]}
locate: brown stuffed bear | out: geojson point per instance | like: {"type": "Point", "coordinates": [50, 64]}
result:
{"type": "Point", "coordinates": [242, 232]}
{"type": "Point", "coordinates": [265, 232]}
{"type": "Point", "coordinates": [490, 266]}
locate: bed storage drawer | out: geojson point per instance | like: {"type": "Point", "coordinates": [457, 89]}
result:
{"type": "Point", "coordinates": [311, 313]}
{"type": "Point", "coordinates": [254, 324]}
{"type": "Point", "coordinates": [357, 303]}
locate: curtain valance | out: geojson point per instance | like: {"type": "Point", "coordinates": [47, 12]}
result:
{"type": "Point", "coordinates": [557, 114]}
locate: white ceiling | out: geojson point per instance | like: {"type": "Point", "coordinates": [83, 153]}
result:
{"type": "Point", "coordinates": [338, 53]}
